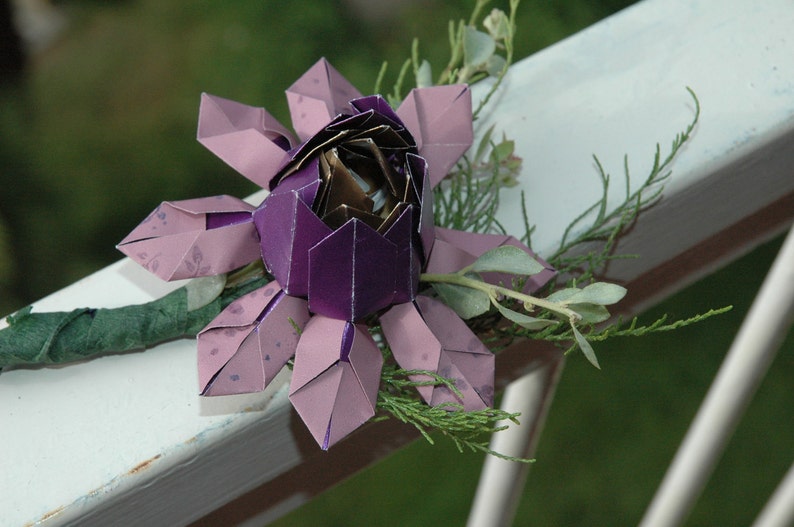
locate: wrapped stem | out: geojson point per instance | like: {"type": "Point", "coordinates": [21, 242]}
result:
{"type": "Point", "coordinates": [60, 337]}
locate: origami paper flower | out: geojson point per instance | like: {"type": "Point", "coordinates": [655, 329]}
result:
{"type": "Point", "coordinates": [346, 231]}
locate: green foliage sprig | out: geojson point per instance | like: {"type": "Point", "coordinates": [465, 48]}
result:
{"type": "Point", "coordinates": [468, 199]}
{"type": "Point", "coordinates": [466, 430]}
{"type": "Point", "coordinates": [474, 55]}
{"type": "Point", "coordinates": [608, 225]}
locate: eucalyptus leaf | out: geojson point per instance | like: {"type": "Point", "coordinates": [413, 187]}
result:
{"type": "Point", "coordinates": [495, 65]}
{"type": "Point", "coordinates": [525, 320]}
{"type": "Point", "coordinates": [590, 313]}
{"type": "Point", "coordinates": [467, 302]}
{"type": "Point", "coordinates": [507, 259]}
{"type": "Point", "coordinates": [601, 293]}
{"type": "Point", "coordinates": [497, 24]}
{"type": "Point", "coordinates": [503, 150]}
{"type": "Point", "coordinates": [477, 47]}
{"type": "Point", "coordinates": [586, 348]}
{"type": "Point", "coordinates": [424, 75]}
{"type": "Point", "coordinates": [562, 295]}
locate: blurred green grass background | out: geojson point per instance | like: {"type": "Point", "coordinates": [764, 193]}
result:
{"type": "Point", "coordinates": [102, 128]}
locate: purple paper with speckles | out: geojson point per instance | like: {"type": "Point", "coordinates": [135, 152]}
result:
{"type": "Point", "coordinates": [248, 139]}
{"type": "Point", "coordinates": [334, 396]}
{"type": "Point", "coordinates": [249, 342]}
{"type": "Point", "coordinates": [318, 96]}
{"type": "Point", "coordinates": [179, 240]}
{"type": "Point", "coordinates": [428, 335]}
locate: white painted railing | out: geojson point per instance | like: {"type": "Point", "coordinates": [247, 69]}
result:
{"type": "Point", "coordinates": [126, 439]}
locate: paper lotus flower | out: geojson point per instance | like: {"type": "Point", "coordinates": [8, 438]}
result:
{"type": "Point", "coordinates": [346, 231]}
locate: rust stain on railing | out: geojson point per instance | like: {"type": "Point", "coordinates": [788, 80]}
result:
{"type": "Point", "coordinates": [46, 517]}
{"type": "Point", "coordinates": [143, 465]}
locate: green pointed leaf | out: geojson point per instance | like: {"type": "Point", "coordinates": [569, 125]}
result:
{"type": "Point", "coordinates": [497, 24]}
{"type": "Point", "coordinates": [600, 293]}
{"type": "Point", "coordinates": [477, 47]}
{"type": "Point", "coordinates": [504, 150]}
{"type": "Point", "coordinates": [507, 259]}
{"type": "Point", "coordinates": [585, 346]}
{"type": "Point", "coordinates": [562, 295]}
{"type": "Point", "coordinates": [591, 313]}
{"type": "Point", "coordinates": [467, 302]}
{"type": "Point", "coordinates": [495, 65]}
{"type": "Point", "coordinates": [424, 75]}
{"type": "Point", "coordinates": [525, 320]}
{"type": "Point", "coordinates": [485, 142]}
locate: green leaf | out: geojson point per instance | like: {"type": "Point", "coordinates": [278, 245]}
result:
{"type": "Point", "coordinates": [507, 259]}
{"type": "Point", "coordinates": [591, 313]}
{"type": "Point", "coordinates": [467, 302]}
{"type": "Point", "coordinates": [504, 150]}
{"type": "Point", "coordinates": [562, 295]}
{"type": "Point", "coordinates": [497, 24]}
{"type": "Point", "coordinates": [485, 142]}
{"type": "Point", "coordinates": [585, 346]}
{"type": "Point", "coordinates": [424, 75]}
{"type": "Point", "coordinates": [495, 65]}
{"type": "Point", "coordinates": [477, 47]}
{"type": "Point", "coordinates": [525, 320]}
{"type": "Point", "coordinates": [600, 293]}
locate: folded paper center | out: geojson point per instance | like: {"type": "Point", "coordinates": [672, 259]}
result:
{"type": "Point", "coordinates": [360, 180]}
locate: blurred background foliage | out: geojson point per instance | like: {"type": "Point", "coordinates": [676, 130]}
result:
{"type": "Point", "coordinates": [100, 127]}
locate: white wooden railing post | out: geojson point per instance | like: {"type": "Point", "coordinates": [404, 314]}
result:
{"type": "Point", "coordinates": [762, 333]}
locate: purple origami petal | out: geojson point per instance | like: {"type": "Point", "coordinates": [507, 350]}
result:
{"type": "Point", "coordinates": [249, 342]}
{"type": "Point", "coordinates": [196, 237]}
{"type": "Point", "coordinates": [317, 97]}
{"type": "Point", "coordinates": [454, 250]}
{"type": "Point", "coordinates": [351, 272]}
{"type": "Point", "coordinates": [418, 168]}
{"type": "Point", "coordinates": [440, 120]}
{"type": "Point", "coordinates": [428, 335]}
{"type": "Point", "coordinates": [288, 229]}
{"type": "Point", "coordinates": [335, 381]}
{"type": "Point", "coordinates": [407, 263]}
{"type": "Point", "coordinates": [305, 181]}
{"type": "Point", "coordinates": [248, 139]}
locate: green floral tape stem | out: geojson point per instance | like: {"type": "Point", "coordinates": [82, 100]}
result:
{"type": "Point", "coordinates": [56, 338]}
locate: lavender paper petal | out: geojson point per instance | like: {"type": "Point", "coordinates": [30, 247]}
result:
{"type": "Point", "coordinates": [334, 396]}
{"type": "Point", "coordinates": [471, 396]}
{"type": "Point", "coordinates": [464, 357]}
{"type": "Point", "coordinates": [455, 249]}
{"type": "Point", "coordinates": [220, 339]}
{"type": "Point", "coordinates": [440, 120]}
{"type": "Point", "coordinates": [317, 97]}
{"type": "Point", "coordinates": [351, 272]}
{"type": "Point", "coordinates": [265, 351]}
{"type": "Point", "coordinates": [248, 139]}
{"type": "Point", "coordinates": [412, 343]}
{"type": "Point", "coordinates": [287, 230]}
{"type": "Point", "coordinates": [177, 241]}
{"type": "Point", "coordinates": [428, 335]}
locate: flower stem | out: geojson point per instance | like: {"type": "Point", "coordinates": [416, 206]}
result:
{"type": "Point", "coordinates": [494, 290]}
